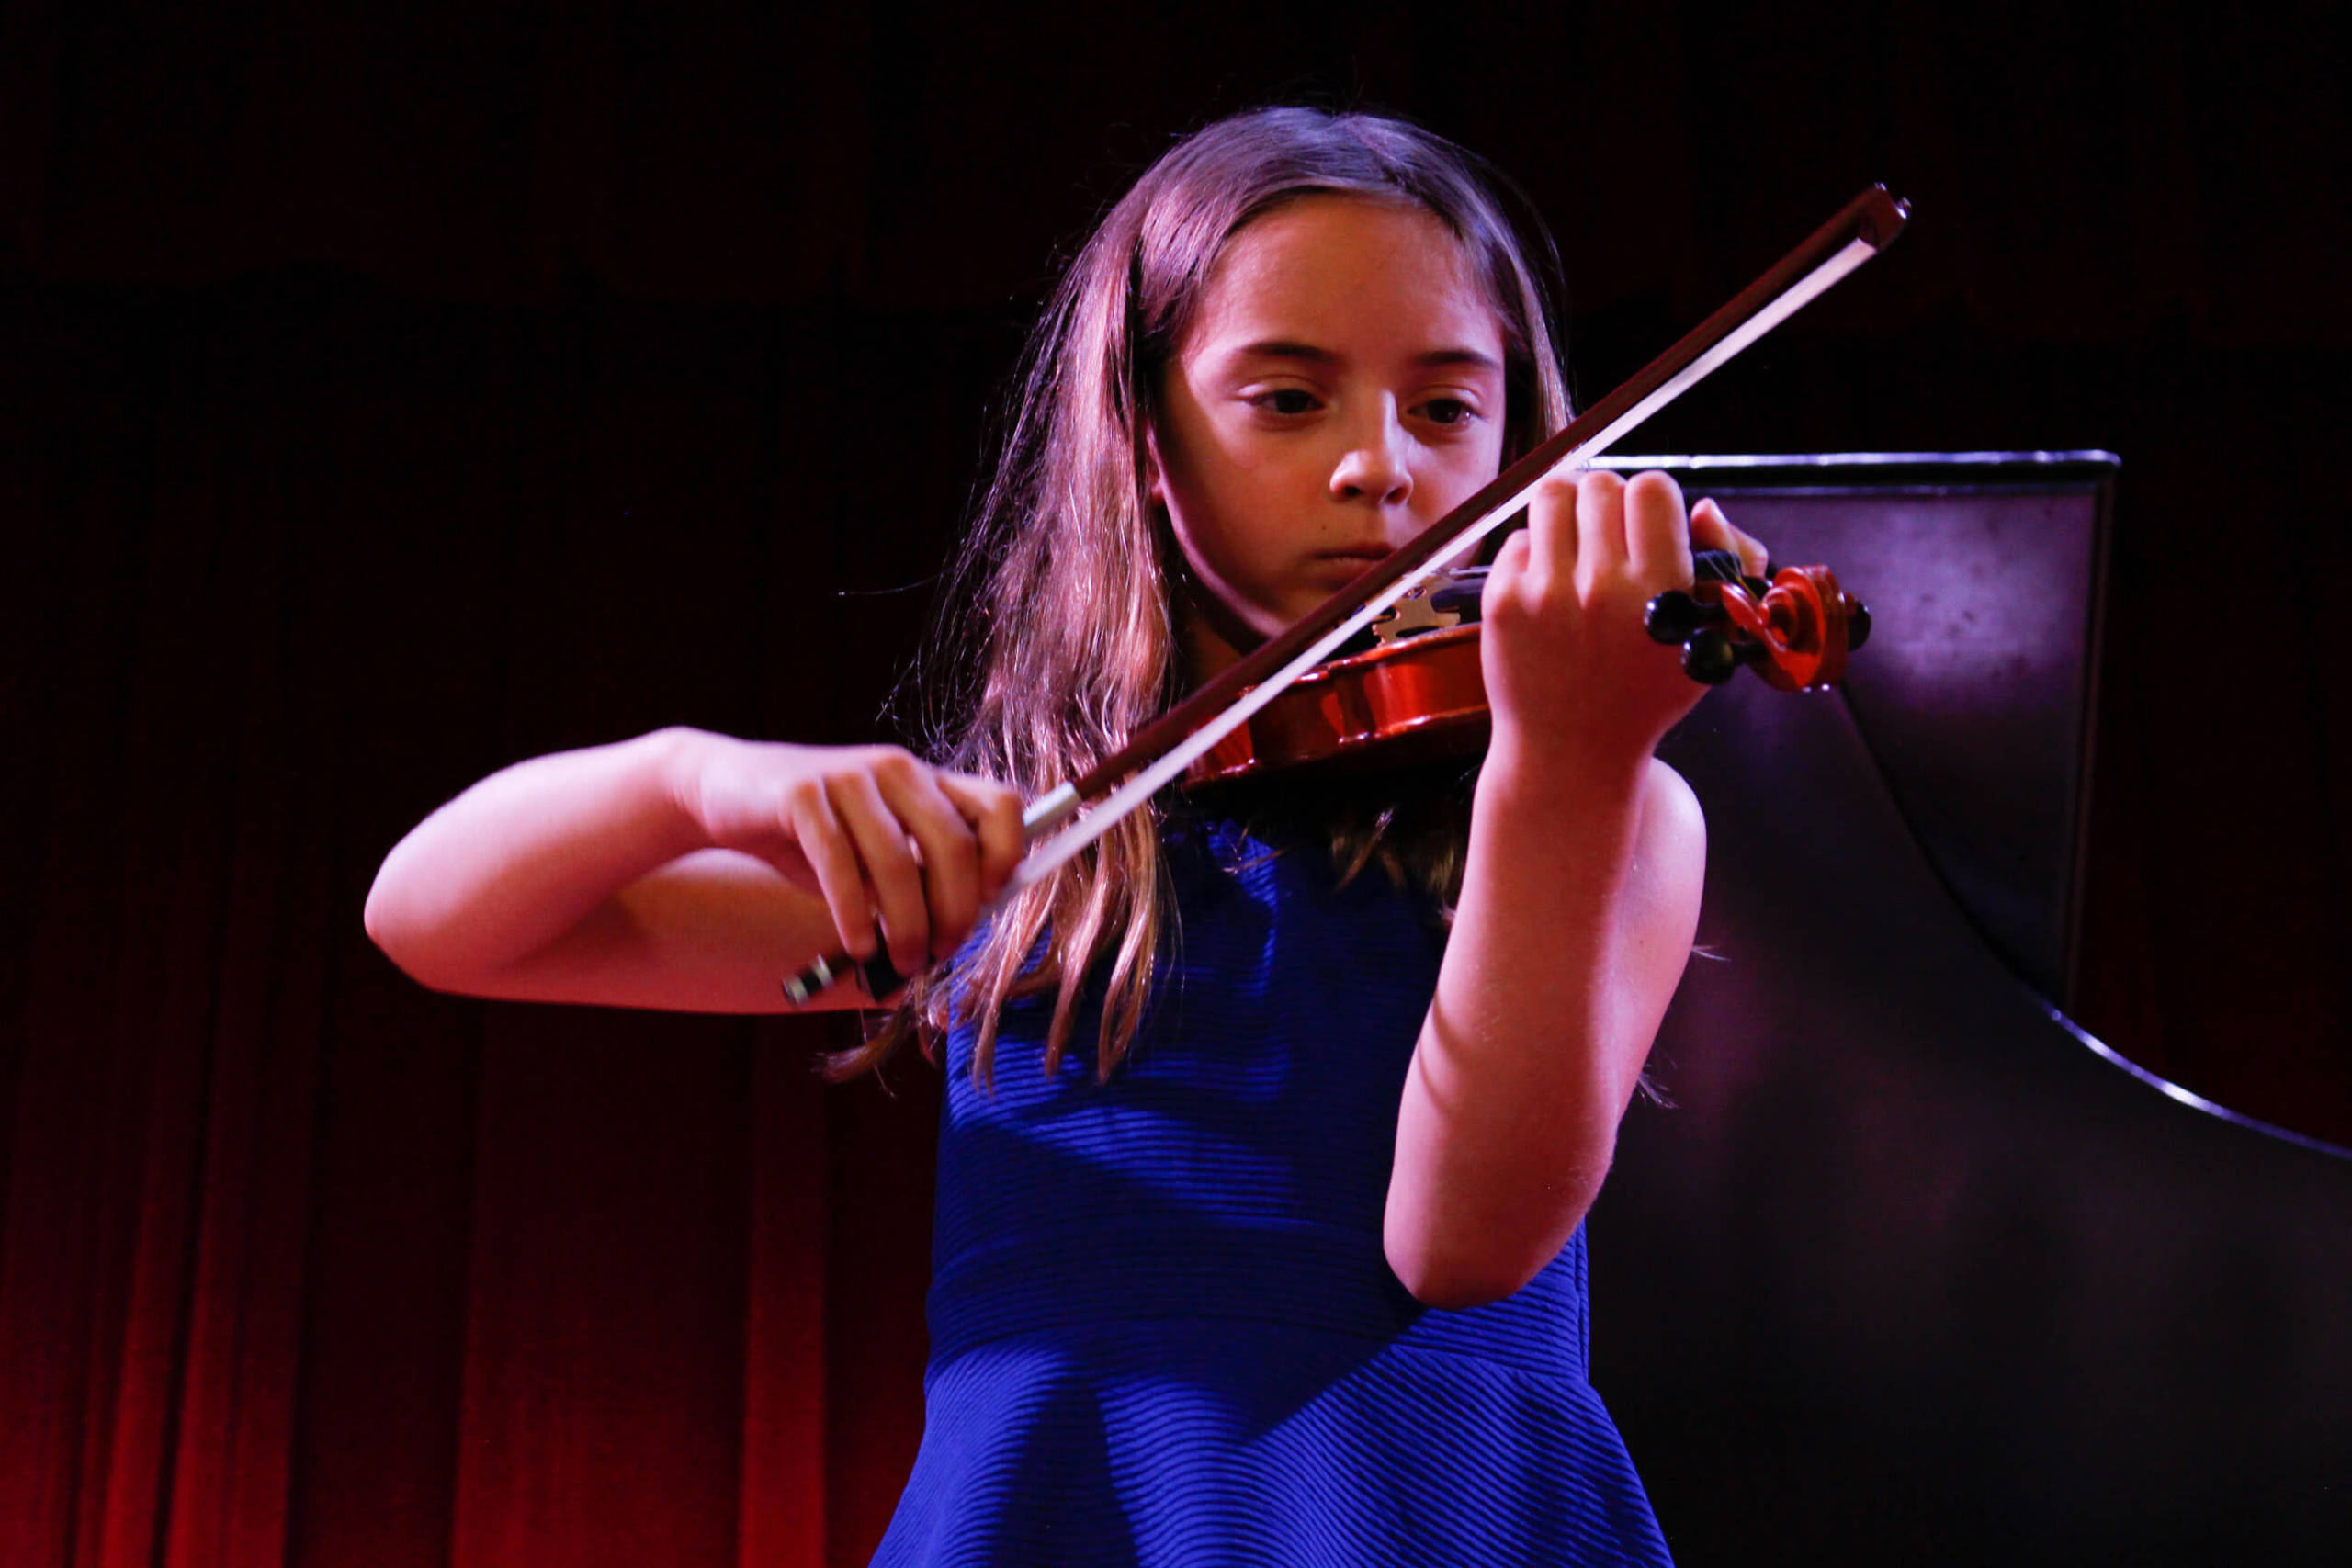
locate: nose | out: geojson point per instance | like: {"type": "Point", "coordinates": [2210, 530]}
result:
{"type": "Point", "coordinates": [1373, 467]}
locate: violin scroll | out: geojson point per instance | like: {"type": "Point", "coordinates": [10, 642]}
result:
{"type": "Point", "coordinates": [1795, 631]}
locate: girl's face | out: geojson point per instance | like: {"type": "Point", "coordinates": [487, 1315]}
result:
{"type": "Point", "coordinates": [1340, 389]}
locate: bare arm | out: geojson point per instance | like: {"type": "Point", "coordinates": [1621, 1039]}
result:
{"type": "Point", "coordinates": [1580, 898]}
{"type": "Point", "coordinates": [1576, 913]}
{"type": "Point", "coordinates": [690, 871]}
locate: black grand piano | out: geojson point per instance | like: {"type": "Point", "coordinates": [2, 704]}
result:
{"type": "Point", "coordinates": [1914, 1270]}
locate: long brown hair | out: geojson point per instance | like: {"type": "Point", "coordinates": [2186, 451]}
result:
{"type": "Point", "coordinates": [1056, 639]}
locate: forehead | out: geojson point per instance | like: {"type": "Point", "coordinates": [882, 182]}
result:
{"type": "Point", "coordinates": [1334, 269]}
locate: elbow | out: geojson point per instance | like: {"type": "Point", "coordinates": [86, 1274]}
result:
{"type": "Point", "coordinates": [1457, 1260]}
{"type": "Point", "coordinates": [1456, 1278]}
{"type": "Point", "coordinates": [1455, 1288]}
{"type": "Point", "coordinates": [391, 925]}
{"type": "Point", "coordinates": [380, 917]}
{"type": "Point", "coordinates": [391, 935]}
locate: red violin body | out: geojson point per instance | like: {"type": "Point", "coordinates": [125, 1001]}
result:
{"type": "Point", "coordinates": [1422, 695]}
{"type": "Point", "coordinates": [1413, 700]}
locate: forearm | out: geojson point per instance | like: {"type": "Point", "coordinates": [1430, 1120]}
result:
{"type": "Point", "coordinates": [1545, 1006]}
{"type": "Point", "coordinates": [525, 856]}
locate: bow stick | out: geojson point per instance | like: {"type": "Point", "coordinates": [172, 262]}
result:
{"type": "Point", "coordinates": [1167, 746]}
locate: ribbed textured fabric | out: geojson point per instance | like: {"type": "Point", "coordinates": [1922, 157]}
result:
{"type": "Point", "coordinates": [1163, 1330]}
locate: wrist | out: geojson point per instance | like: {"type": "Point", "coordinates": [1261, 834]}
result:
{"type": "Point", "coordinates": [1522, 766]}
{"type": "Point", "coordinates": [669, 765]}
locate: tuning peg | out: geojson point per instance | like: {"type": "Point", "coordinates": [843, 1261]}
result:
{"type": "Point", "coordinates": [1673, 615]}
{"type": "Point", "coordinates": [1710, 656]}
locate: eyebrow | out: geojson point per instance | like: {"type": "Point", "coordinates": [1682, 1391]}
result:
{"type": "Point", "coordinates": [1280, 348]}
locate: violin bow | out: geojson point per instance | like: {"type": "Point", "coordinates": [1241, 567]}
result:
{"type": "Point", "coordinates": [1166, 746]}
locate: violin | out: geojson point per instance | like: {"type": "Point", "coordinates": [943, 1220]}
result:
{"type": "Point", "coordinates": [1723, 620]}
{"type": "Point", "coordinates": [1420, 695]}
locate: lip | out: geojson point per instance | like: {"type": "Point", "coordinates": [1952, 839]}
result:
{"type": "Point", "coordinates": [1332, 570]}
{"type": "Point", "coordinates": [1367, 553]}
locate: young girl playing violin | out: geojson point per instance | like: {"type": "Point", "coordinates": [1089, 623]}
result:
{"type": "Point", "coordinates": [1272, 1121]}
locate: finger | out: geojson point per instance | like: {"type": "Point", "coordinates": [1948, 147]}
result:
{"type": "Point", "coordinates": [817, 833]}
{"type": "Point", "coordinates": [950, 853]}
{"type": "Point", "coordinates": [1551, 531]}
{"type": "Point", "coordinates": [1503, 573]}
{"type": "Point", "coordinates": [994, 813]}
{"type": "Point", "coordinates": [1716, 531]}
{"type": "Point", "coordinates": [1710, 530]}
{"type": "Point", "coordinates": [890, 869]}
{"type": "Point", "coordinates": [1657, 534]}
{"type": "Point", "coordinates": [1754, 558]}
{"type": "Point", "coordinates": [1600, 523]}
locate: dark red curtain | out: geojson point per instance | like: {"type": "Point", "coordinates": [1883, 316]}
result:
{"type": "Point", "coordinates": [302, 1262]}
{"type": "Point", "coordinates": [389, 395]}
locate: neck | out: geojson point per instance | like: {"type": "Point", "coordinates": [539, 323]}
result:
{"type": "Point", "coordinates": [1211, 637]}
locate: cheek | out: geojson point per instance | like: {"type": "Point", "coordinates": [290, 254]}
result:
{"type": "Point", "coordinates": [1190, 458]}
{"type": "Point", "coordinates": [1223, 497]}
{"type": "Point", "coordinates": [1465, 469]}
{"type": "Point", "coordinates": [1214, 534]}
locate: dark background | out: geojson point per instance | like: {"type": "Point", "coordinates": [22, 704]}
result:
{"type": "Point", "coordinates": [388, 393]}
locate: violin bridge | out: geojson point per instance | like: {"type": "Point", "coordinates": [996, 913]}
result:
{"type": "Point", "coordinates": [1411, 615]}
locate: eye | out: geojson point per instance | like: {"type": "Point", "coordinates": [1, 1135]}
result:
{"type": "Point", "coordinates": [1288, 401]}
{"type": "Point", "coordinates": [1448, 412]}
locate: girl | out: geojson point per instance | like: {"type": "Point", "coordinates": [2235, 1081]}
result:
{"type": "Point", "coordinates": [1262, 1174]}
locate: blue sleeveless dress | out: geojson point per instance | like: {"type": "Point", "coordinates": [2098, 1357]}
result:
{"type": "Point", "coordinates": [1163, 1329]}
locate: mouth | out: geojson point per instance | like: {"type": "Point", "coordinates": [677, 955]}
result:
{"type": "Point", "coordinates": [1364, 553]}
